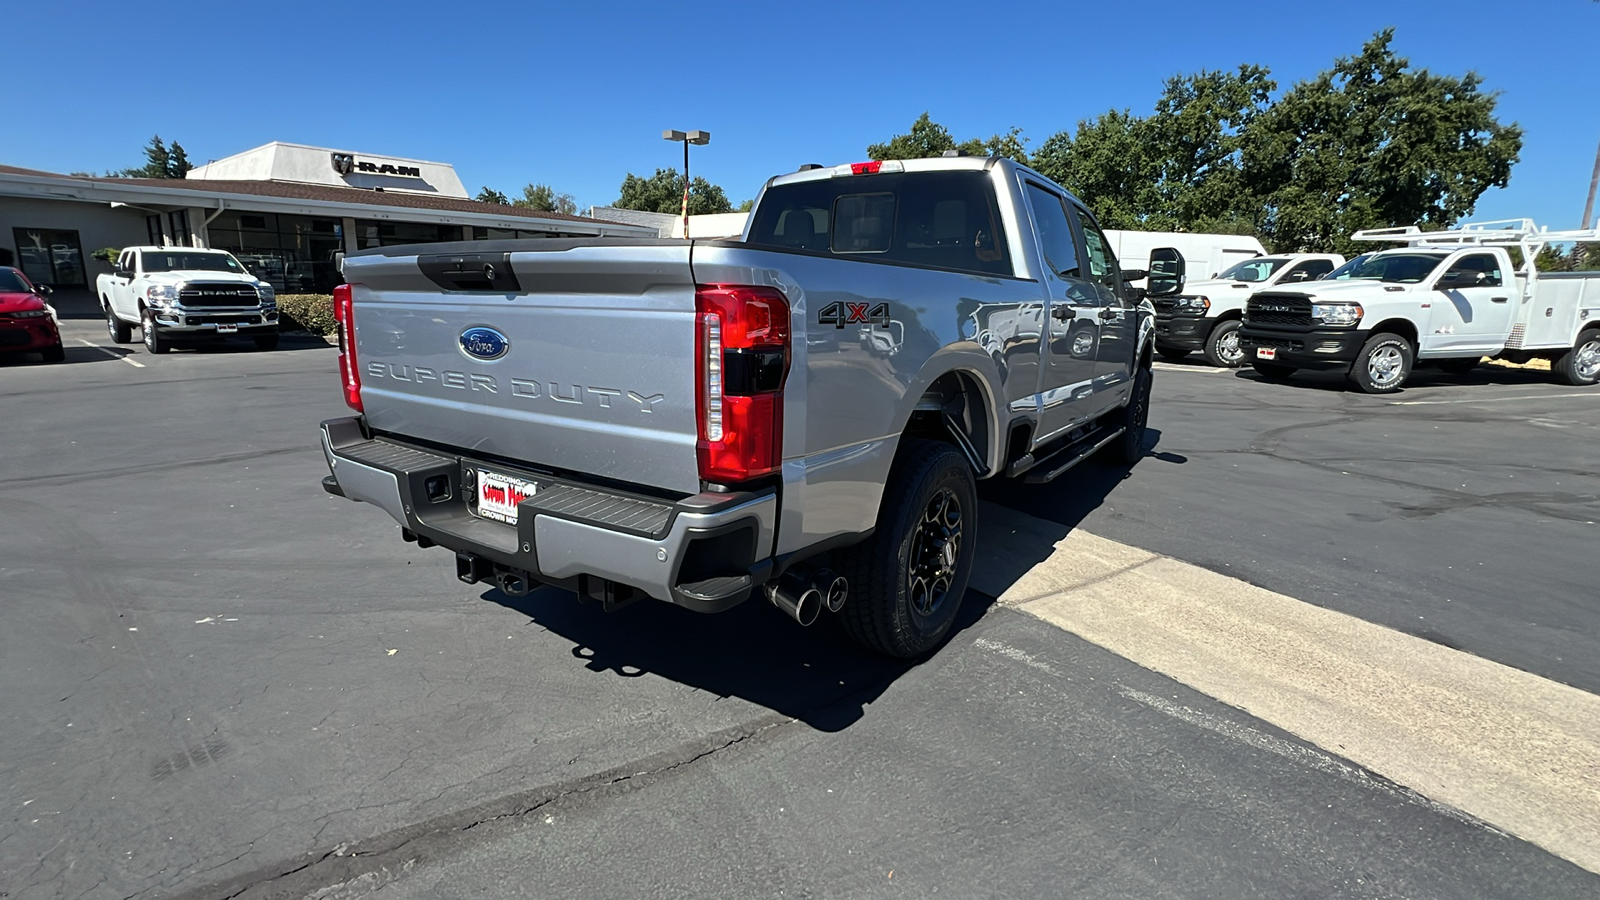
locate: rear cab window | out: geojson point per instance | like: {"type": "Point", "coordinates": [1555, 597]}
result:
{"type": "Point", "coordinates": [941, 220]}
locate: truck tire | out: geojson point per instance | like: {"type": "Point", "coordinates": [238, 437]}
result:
{"type": "Point", "coordinates": [266, 342]}
{"type": "Point", "coordinates": [1272, 371]}
{"type": "Point", "coordinates": [1457, 366]}
{"type": "Point", "coordinates": [153, 341]}
{"type": "Point", "coordinates": [118, 329]}
{"type": "Point", "coordinates": [1129, 448]}
{"type": "Point", "coordinates": [907, 580]}
{"type": "Point", "coordinates": [1581, 365]}
{"type": "Point", "coordinates": [1222, 347]}
{"type": "Point", "coordinates": [1383, 364]}
{"type": "Point", "coordinates": [1173, 354]}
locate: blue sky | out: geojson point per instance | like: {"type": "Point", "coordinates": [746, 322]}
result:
{"type": "Point", "coordinates": [576, 94]}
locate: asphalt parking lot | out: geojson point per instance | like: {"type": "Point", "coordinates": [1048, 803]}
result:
{"type": "Point", "coordinates": [223, 682]}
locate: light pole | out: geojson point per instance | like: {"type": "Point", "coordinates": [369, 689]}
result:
{"type": "Point", "coordinates": [690, 137]}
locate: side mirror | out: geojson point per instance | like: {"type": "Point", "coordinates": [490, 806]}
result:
{"type": "Point", "coordinates": [1296, 276]}
{"type": "Point", "coordinates": [1134, 274]}
{"type": "Point", "coordinates": [43, 290]}
{"type": "Point", "coordinates": [1166, 274]}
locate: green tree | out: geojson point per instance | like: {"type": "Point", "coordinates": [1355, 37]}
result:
{"type": "Point", "coordinates": [663, 192]}
{"type": "Point", "coordinates": [1178, 169]}
{"type": "Point", "coordinates": [490, 195]}
{"type": "Point", "coordinates": [543, 197]}
{"type": "Point", "coordinates": [746, 206]}
{"type": "Point", "coordinates": [161, 161]}
{"type": "Point", "coordinates": [928, 138]}
{"type": "Point", "coordinates": [1373, 142]}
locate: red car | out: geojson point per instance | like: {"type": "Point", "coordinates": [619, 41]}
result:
{"type": "Point", "coordinates": [26, 324]}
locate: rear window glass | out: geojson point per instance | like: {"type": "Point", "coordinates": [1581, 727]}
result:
{"type": "Point", "coordinates": [945, 220]}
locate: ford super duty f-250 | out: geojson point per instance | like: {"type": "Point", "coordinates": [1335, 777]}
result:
{"type": "Point", "coordinates": [703, 421]}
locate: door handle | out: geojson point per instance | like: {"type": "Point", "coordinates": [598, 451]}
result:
{"type": "Point", "coordinates": [1107, 314]}
{"type": "Point", "coordinates": [1062, 312]}
{"type": "Point", "coordinates": [1498, 299]}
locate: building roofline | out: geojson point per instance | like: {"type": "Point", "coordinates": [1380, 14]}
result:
{"type": "Point", "coordinates": [294, 197]}
{"type": "Point", "coordinates": [326, 150]}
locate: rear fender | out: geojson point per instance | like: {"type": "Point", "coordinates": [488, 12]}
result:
{"type": "Point", "coordinates": [979, 369]}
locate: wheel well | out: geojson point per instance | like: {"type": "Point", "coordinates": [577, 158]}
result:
{"type": "Point", "coordinates": [1230, 315]}
{"type": "Point", "coordinates": [1402, 327]}
{"type": "Point", "coordinates": [953, 409]}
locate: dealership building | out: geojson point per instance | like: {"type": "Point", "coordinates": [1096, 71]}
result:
{"type": "Point", "coordinates": [287, 211]}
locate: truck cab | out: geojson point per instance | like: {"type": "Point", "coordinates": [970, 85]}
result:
{"type": "Point", "coordinates": [1206, 316]}
{"type": "Point", "coordinates": [183, 294]}
{"type": "Point", "coordinates": [1449, 298]}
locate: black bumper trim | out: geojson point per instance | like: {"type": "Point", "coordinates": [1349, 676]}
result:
{"type": "Point", "coordinates": [1183, 332]}
{"type": "Point", "coordinates": [1304, 348]}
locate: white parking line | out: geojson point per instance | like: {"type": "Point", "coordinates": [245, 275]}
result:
{"type": "Point", "coordinates": [127, 359]}
{"type": "Point", "coordinates": [1203, 370]}
{"type": "Point", "coordinates": [1492, 399]}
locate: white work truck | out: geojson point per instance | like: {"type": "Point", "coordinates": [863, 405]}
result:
{"type": "Point", "coordinates": [1206, 316]}
{"type": "Point", "coordinates": [184, 294]}
{"type": "Point", "coordinates": [1447, 297]}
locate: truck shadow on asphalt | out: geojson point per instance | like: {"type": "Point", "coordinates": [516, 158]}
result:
{"type": "Point", "coordinates": [816, 675]}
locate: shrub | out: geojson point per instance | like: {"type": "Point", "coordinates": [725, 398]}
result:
{"type": "Point", "coordinates": [306, 312]}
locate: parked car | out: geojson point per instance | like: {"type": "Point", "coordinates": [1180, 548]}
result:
{"type": "Point", "coordinates": [27, 322]}
{"type": "Point", "coordinates": [1449, 297]}
{"type": "Point", "coordinates": [1206, 316]}
{"type": "Point", "coordinates": [800, 414]}
{"type": "Point", "coordinates": [184, 294]}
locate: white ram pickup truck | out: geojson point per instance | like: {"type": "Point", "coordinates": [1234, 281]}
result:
{"type": "Point", "coordinates": [184, 294]}
{"type": "Point", "coordinates": [1448, 297]}
{"type": "Point", "coordinates": [1206, 316]}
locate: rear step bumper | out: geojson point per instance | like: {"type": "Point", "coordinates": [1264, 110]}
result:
{"type": "Point", "coordinates": [707, 552]}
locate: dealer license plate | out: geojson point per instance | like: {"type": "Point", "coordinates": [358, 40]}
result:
{"type": "Point", "coordinates": [498, 495]}
{"type": "Point", "coordinates": [1266, 353]}
{"type": "Point", "coordinates": [227, 329]}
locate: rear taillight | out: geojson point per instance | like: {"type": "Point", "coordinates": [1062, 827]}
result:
{"type": "Point", "coordinates": [742, 336]}
{"type": "Point", "coordinates": [349, 372]}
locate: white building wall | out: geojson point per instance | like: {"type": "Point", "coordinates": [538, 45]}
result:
{"type": "Point", "coordinates": [97, 225]}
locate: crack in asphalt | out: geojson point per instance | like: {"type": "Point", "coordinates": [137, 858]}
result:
{"type": "Point", "coordinates": [347, 861]}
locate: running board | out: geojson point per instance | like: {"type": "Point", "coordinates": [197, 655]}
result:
{"type": "Point", "coordinates": [1057, 463]}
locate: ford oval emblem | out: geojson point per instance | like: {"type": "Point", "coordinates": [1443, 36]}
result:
{"type": "Point", "coordinates": [483, 342]}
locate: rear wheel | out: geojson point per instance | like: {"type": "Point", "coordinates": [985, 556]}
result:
{"type": "Point", "coordinates": [1581, 364]}
{"type": "Point", "coordinates": [118, 329]}
{"type": "Point", "coordinates": [1383, 364]}
{"type": "Point", "coordinates": [1222, 347]}
{"type": "Point", "coordinates": [266, 342]}
{"type": "Point", "coordinates": [908, 579]}
{"type": "Point", "coordinates": [153, 340]}
{"type": "Point", "coordinates": [1173, 353]}
{"type": "Point", "coordinates": [54, 354]}
{"type": "Point", "coordinates": [1272, 371]}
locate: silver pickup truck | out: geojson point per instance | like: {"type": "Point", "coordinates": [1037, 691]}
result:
{"type": "Point", "coordinates": [801, 413]}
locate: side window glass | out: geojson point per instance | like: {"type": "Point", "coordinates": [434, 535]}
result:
{"type": "Point", "coordinates": [1055, 232]}
{"type": "Point", "coordinates": [1102, 264]}
{"type": "Point", "coordinates": [1485, 263]}
{"type": "Point", "coordinates": [1318, 268]}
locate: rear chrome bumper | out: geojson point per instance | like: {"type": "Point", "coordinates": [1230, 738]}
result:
{"type": "Point", "coordinates": [707, 552]}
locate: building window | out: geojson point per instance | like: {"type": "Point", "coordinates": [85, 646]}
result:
{"type": "Point", "coordinates": [294, 254]}
{"type": "Point", "coordinates": [179, 220]}
{"type": "Point", "coordinates": [50, 256]}
{"type": "Point", "coordinates": [371, 233]}
{"type": "Point", "coordinates": [152, 224]}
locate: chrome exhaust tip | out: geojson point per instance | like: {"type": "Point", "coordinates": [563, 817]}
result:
{"type": "Point", "coordinates": [796, 597]}
{"type": "Point", "coordinates": [834, 588]}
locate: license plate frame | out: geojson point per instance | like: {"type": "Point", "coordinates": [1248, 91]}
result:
{"type": "Point", "coordinates": [1266, 353]}
{"type": "Point", "coordinates": [498, 495]}
{"type": "Point", "coordinates": [227, 328]}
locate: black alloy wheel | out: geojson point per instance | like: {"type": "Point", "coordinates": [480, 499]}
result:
{"type": "Point", "coordinates": [908, 579]}
{"type": "Point", "coordinates": [1128, 448]}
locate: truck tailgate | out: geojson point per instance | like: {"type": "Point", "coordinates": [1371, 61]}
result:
{"type": "Point", "coordinates": [597, 371]}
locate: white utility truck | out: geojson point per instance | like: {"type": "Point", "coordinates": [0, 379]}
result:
{"type": "Point", "coordinates": [185, 294]}
{"type": "Point", "coordinates": [1206, 316]}
{"type": "Point", "coordinates": [1446, 297]}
